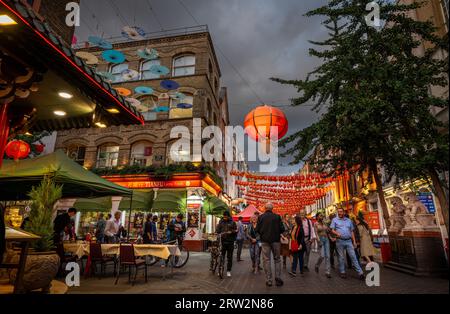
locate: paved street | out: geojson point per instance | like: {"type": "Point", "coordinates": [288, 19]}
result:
{"type": "Point", "coordinates": [195, 278]}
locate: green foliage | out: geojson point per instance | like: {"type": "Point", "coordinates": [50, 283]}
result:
{"type": "Point", "coordinates": [373, 93]}
{"type": "Point", "coordinates": [44, 197]}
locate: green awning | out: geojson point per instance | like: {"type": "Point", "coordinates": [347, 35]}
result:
{"type": "Point", "coordinates": [141, 201]}
{"type": "Point", "coordinates": [100, 204]}
{"type": "Point", "coordinates": [18, 177]}
{"type": "Point", "coordinates": [170, 200]}
{"type": "Point", "coordinates": [214, 205]}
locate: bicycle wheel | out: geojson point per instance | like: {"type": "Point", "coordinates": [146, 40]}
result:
{"type": "Point", "coordinates": [214, 264]}
{"type": "Point", "coordinates": [180, 261]}
{"type": "Point", "coordinates": [154, 260]}
{"type": "Point", "coordinates": [221, 266]}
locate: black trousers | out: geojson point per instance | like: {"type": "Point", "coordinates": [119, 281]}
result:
{"type": "Point", "coordinates": [240, 244]}
{"type": "Point", "coordinates": [332, 251]}
{"type": "Point", "coordinates": [228, 248]}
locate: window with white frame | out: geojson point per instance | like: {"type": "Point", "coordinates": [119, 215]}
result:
{"type": "Point", "coordinates": [146, 74]}
{"type": "Point", "coordinates": [141, 153]}
{"type": "Point", "coordinates": [183, 65]}
{"type": "Point", "coordinates": [116, 70]}
{"type": "Point", "coordinates": [177, 112]}
{"type": "Point", "coordinates": [107, 156]}
{"type": "Point", "coordinates": [76, 153]}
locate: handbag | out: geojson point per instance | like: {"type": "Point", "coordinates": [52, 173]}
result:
{"type": "Point", "coordinates": [294, 245]}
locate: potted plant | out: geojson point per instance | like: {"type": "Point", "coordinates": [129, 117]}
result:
{"type": "Point", "coordinates": [42, 263]}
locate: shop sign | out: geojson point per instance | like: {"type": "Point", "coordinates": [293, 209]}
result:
{"type": "Point", "coordinates": [373, 220]}
{"type": "Point", "coordinates": [427, 199]}
{"type": "Point", "coordinates": [160, 184]}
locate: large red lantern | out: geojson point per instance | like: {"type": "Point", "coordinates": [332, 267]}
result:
{"type": "Point", "coordinates": [259, 121]}
{"type": "Point", "coordinates": [17, 149]}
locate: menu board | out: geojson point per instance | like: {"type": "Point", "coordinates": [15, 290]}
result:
{"type": "Point", "coordinates": [427, 199]}
{"type": "Point", "coordinates": [373, 220]}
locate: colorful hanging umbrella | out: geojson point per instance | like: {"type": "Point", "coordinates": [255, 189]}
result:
{"type": "Point", "coordinates": [147, 54]}
{"type": "Point", "coordinates": [100, 42]}
{"type": "Point", "coordinates": [88, 57]}
{"type": "Point", "coordinates": [178, 96]}
{"type": "Point", "coordinates": [169, 85]}
{"type": "Point", "coordinates": [133, 33]}
{"type": "Point", "coordinates": [143, 90]}
{"type": "Point", "coordinates": [106, 75]}
{"type": "Point", "coordinates": [113, 56]}
{"type": "Point", "coordinates": [162, 109]}
{"type": "Point", "coordinates": [184, 106]}
{"type": "Point", "coordinates": [129, 74]}
{"type": "Point", "coordinates": [159, 69]}
{"type": "Point", "coordinates": [123, 91]}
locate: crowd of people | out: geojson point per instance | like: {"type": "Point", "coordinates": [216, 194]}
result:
{"type": "Point", "coordinates": [292, 238]}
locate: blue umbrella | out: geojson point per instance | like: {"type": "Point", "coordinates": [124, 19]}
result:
{"type": "Point", "coordinates": [184, 106]}
{"type": "Point", "coordinates": [133, 33]}
{"type": "Point", "coordinates": [169, 85]}
{"type": "Point", "coordinates": [147, 54]}
{"type": "Point", "coordinates": [159, 69]}
{"type": "Point", "coordinates": [143, 90]}
{"type": "Point", "coordinates": [162, 109]}
{"type": "Point", "coordinates": [106, 75]}
{"type": "Point", "coordinates": [100, 42]}
{"type": "Point", "coordinates": [113, 56]}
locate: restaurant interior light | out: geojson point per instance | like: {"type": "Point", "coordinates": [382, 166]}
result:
{"type": "Point", "coordinates": [6, 20]}
{"type": "Point", "coordinates": [113, 110]}
{"type": "Point", "coordinates": [65, 95]}
{"type": "Point", "coordinates": [59, 113]}
{"type": "Point", "coordinates": [100, 125]}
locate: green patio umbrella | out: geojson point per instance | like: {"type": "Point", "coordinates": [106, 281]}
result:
{"type": "Point", "coordinates": [214, 205]}
{"type": "Point", "coordinates": [100, 204]}
{"type": "Point", "coordinates": [140, 200]}
{"type": "Point", "coordinates": [170, 201]}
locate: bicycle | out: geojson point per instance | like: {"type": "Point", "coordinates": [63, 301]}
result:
{"type": "Point", "coordinates": [175, 261]}
{"type": "Point", "coordinates": [217, 259]}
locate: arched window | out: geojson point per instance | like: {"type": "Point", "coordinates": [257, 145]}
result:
{"type": "Point", "coordinates": [107, 156]}
{"type": "Point", "coordinates": [183, 65]}
{"type": "Point", "coordinates": [76, 153]}
{"type": "Point", "coordinates": [177, 153]}
{"type": "Point", "coordinates": [210, 69]}
{"type": "Point", "coordinates": [145, 69]}
{"type": "Point", "coordinates": [208, 110]}
{"type": "Point", "coordinates": [116, 70]}
{"type": "Point", "coordinates": [148, 105]}
{"type": "Point", "coordinates": [176, 112]}
{"type": "Point", "coordinates": [141, 153]}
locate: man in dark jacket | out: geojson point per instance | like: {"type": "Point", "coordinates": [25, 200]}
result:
{"type": "Point", "coordinates": [62, 222]}
{"type": "Point", "coordinates": [228, 230]}
{"type": "Point", "coordinates": [270, 227]}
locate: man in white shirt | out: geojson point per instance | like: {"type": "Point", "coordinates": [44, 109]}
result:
{"type": "Point", "coordinates": [113, 226]}
{"type": "Point", "coordinates": [310, 237]}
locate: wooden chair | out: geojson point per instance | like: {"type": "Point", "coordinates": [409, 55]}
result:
{"type": "Point", "coordinates": [64, 258]}
{"type": "Point", "coordinates": [97, 257]}
{"type": "Point", "coordinates": [127, 258]}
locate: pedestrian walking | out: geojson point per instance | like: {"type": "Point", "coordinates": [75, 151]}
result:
{"type": "Point", "coordinates": [100, 229]}
{"type": "Point", "coordinates": [285, 252]}
{"type": "Point", "coordinates": [228, 228]}
{"type": "Point", "coordinates": [114, 228]}
{"type": "Point", "coordinates": [358, 242]}
{"type": "Point", "coordinates": [148, 230]}
{"type": "Point", "coordinates": [255, 244]}
{"type": "Point", "coordinates": [343, 228]}
{"type": "Point", "coordinates": [332, 238]}
{"type": "Point", "coordinates": [270, 228]}
{"type": "Point", "coordinates": [322, 231]}
{"type": "Point", "coordinates": [310, 237]}
{"type": "Point", "coordinates": [366, 242]}
{"type": "Point", "coordinates": [240, 237]}
{"type": "Point", "coordinates": [297, 246]}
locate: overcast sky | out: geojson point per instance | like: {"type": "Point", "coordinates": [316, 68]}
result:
{"type": "Point", "coordinates": [261, 38]}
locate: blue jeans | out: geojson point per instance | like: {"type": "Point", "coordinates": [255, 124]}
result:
{"type": "Point", "coordinates": [325, 254]}
{"type": "Point", "coordinates": [346, 245]}
{"type": "Point", "coordinates": [255, 251]}
{"type": "Point", "coordinates": [297, 259]}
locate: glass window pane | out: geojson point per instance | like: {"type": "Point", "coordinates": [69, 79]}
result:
{"type": "Point", "coordinates": [184, 61]}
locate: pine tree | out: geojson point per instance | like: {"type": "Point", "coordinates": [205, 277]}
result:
{"type": "Point", "coordinates": [374, 92]}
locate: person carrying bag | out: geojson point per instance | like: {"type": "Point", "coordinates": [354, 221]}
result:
{"type": "Point", "coordinates": [297, 246]}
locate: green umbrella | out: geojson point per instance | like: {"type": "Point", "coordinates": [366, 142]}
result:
{"type": "Point", "coordinates": [214, 205]}
{"type": "Point", "coordinates": [170, 201]}
{"type": "Point", "coordinates": [101, 204]}
{"type": "Point", "coordinates": [141, 200]}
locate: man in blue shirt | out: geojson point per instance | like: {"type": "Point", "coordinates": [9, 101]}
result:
{"type": "Point", "coordinates": [342, 227]}
{"type": "Point", "coordinates": [240, 238]}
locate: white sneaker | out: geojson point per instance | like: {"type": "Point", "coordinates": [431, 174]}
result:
{"type": "Point", "coordinates": [228, 274]}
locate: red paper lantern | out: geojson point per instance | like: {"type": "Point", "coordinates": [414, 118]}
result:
{"type": "Point", "coordinates": [17, 149]}
{"type": "Point", "coordinates": [39, 148]}
{"type": "Point", "coordinates": [259, 121]}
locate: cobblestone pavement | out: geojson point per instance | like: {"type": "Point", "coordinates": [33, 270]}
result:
{"type": "Point", "coordinates": [195, 278]}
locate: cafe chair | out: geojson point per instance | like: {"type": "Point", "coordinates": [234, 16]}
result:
{"type": "Point", "coordinates": [127, 258]}
{"type": "Point", "coordinates": [97, 257]}
{"type": "Point", "coordinates": [65, 258]}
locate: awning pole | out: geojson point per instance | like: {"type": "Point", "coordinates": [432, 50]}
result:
{"type": "Point", "coordinates": [129, 218]}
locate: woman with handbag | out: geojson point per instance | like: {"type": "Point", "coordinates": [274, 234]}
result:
{"type": "Point", "coordinates": [297, 246]}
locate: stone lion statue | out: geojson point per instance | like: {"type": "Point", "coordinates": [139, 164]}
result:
{"type": "Point", "coordinates": [397, 218]}
{"type": "Point", "coordinates": [414, 207]}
